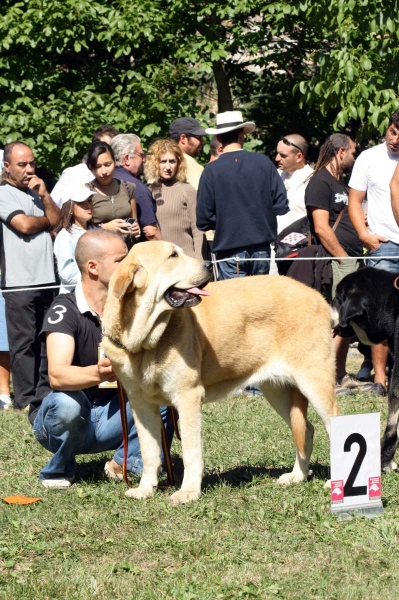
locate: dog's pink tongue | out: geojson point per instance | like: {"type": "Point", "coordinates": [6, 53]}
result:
{"type": "Point", "coordinates": [197, 292]}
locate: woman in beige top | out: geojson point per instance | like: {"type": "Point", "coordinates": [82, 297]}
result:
{"type": "Point", "coordinates": [114, 202]}
{"type": "Point", "coordinates": [165, 171]}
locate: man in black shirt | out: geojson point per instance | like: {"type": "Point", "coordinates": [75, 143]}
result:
{"type": "Point", "coordinates": [73, 413]}
{"type": "Point", "coordinates": [326, 197]}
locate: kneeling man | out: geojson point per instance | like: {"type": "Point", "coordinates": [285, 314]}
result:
{"type": "Point", "coordinates": [71, 414]}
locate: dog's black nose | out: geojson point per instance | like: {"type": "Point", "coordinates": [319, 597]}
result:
{"type": "Point", "coordinates": [208, 265]}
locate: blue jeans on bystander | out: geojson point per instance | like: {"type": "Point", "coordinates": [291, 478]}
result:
{"type": "Point", "coordinates": [232, 268]}
{"type": "Point", "coordinates": [67, 425]}
{"type": "Point", "coordinates": [386, 264]}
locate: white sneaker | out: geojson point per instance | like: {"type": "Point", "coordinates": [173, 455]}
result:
{"type": "Point", "coordinates": [5, 402]}
{"type": "Point", "coordinates": [57, 484]}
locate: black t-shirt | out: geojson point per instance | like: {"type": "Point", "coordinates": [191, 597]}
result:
{"type": "Point", "coordinates": [63, 316]}
{"type": "Point", "coordinates": [325, 192]}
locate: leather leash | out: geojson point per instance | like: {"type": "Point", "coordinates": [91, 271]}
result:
{"type": "Point", "coordinates": [165, 446]}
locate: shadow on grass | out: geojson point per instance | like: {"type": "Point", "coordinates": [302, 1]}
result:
{"type": "Point", "coordinates": [92, 471]}
{"type": "Point", "coordinates": [245, 474]}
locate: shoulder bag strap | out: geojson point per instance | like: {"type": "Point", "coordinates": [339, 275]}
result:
{"type": "Point", "coordinates": [338, 219]}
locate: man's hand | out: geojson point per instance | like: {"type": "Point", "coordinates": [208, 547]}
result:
{"type": "Point", "coordinates": [152, 232]}
{"type": "Point", "coordinates": [37, 185]}
{"type": "Point", "coordinates": [105, 370]}
{"type": "Point", "coordinates": [372, 241]}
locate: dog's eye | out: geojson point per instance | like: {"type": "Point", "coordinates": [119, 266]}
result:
{"type": "Point", "coordinates": [174, 255]}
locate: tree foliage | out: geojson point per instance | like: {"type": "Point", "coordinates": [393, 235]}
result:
{"type": "Point", "coordinates": [67, 66]}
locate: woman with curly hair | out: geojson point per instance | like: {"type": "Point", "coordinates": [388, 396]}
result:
{"type": "Point", "coordinates": [165, 170]}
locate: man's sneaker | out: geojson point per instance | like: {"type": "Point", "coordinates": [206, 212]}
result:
{"type": "Point", "coordinates": [340, 390]}
{"type": "Point", "coordinates": [353, 384]}
{"type": "Point", "coordinates": [5, 402]}
{"type": "Point", "coordinates": [58, 484]}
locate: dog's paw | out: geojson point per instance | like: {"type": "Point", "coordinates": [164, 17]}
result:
{"type": "Point", "coordinates": [183, 497]}
{"type": "Point", "coordinates": [140, 493]}
{"type": "Point", "coordinates": [289, 478]}
{"type": "Point", "coordinates": [392, 466]}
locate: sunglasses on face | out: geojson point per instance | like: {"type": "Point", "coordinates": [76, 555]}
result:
{"type": "Point", "coordinates": [288, 143]}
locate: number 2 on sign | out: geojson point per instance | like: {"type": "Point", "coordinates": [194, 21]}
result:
{"type": "Point", "coordinates": [350, 489]}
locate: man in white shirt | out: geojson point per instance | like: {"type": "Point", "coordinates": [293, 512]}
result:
{"type": "Point", "coordinates": [295, 173]}
{"type": "Point", "coordinates": [372, 175]}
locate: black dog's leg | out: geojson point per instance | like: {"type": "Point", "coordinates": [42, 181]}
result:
{"type": "Point", "coordinates": [390, 439]}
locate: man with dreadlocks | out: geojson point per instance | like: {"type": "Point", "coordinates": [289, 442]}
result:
{"type": "Point", "coordinates": [326, 200]}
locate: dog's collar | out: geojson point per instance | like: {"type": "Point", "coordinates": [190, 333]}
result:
{"type": "Point", "coordinates": [116, 343]}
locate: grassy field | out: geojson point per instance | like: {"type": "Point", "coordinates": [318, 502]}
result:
{"type": "Point", "coordinates": [246, 537]}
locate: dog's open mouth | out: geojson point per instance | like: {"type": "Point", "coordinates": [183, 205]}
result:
{"type": "Point", "coordinates": [177, 298]}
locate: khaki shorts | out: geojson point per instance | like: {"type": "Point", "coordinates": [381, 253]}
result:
{"type": "Point", "coordinates": [341, 270]}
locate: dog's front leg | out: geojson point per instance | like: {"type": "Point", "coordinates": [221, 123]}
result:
{"type": "Point", "coordinates": [390, 438]}
{"type": "Point", "coordinates": [190, 417]}
{"type": "Point", "coordinates": [148, 422]}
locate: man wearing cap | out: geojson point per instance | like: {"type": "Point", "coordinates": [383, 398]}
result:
{"type": "Point", "coordinates": [76, 408]}
{"type": "Point", "coordinates": [27, 213]}
{"type": "Point", "coordinates": [240, 196]}
{"type": "Point", "coordinates": [188, 133]}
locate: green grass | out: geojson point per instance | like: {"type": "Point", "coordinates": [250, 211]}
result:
{"type": "Point", "coordinates": [246, 537]}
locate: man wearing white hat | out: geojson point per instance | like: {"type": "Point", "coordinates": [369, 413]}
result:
{"type": "Point", "coordinates": [240, 196]}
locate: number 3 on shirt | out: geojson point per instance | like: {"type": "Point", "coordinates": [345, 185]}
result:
{"type": "Point", "coordinates": [59, 310]}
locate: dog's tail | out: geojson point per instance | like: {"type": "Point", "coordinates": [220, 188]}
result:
{"type": "Point", "coordinates": [299, 422]}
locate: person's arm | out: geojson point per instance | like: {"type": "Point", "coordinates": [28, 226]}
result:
{"type": "Point", "coordinates": [198, 236]}
{"type": "Point", "coordinates": [63, 376]}
{"type": "Point", "coordinates": [28, 225]}
{"type": "Point", "coordinates": [152, 232]}
{"type": "Point", "coordinates": [279, 193]}
{"type": "Point", "coordinates": [64, 250]}
{"type": "Point", "coordinates": [394, 186]}
{"type": "Point", "coordinates": [327, 237]}
{"type": "Point", "coordinates": [370, 240]}
{"type": "Point", "coordinates": [51, 210]}
{"type": "Point", "coordinates": [206, 209]}
{"type": "Point", "coordinates": [146, 211]}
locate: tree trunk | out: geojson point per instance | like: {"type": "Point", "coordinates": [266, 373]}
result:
{"type": "Point", "coordinates": [225, 101]}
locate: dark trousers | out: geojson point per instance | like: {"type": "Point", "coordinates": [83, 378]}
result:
{"type": "Point", "coordinates": [25, 312]}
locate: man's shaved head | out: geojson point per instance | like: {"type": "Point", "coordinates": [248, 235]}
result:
{"type": "Point", "coordinates": [299, 141]}
{"type": "Point", "coordinates": [94, 245]}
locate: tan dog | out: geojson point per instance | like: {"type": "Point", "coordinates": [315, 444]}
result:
{"type": "Point", "coordinates": [266, 330]}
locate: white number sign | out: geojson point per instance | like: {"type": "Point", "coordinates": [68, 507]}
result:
{"type": "Point", "coordinates": [355, 462]}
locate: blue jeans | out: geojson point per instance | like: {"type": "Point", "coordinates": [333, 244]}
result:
{"type": "Point", "coordinates": [385, 249]}
{"type": "Point", "coordinates": [231, 268]}
{"type": "Point", "coordinates": [67, 425]}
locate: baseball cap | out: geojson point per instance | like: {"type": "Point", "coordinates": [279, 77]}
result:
{"type": "Point", "coordinates": [76, 192]}
{"type": "Point", "coordinates": [70, 178]}
{"type": "Point", "coordinates": [186, 125]}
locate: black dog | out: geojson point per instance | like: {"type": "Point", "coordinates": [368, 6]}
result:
{"type": "Point", "coordinates": [368, 304]}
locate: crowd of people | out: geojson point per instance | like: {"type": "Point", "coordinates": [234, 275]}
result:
{"type": "Point", "coordinates": [72, 238]}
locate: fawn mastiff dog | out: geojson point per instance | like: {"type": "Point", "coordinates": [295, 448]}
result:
{"type": "Point", "coordinates": [172, 342]}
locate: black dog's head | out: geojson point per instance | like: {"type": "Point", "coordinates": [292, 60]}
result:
{"type": "Point", "coordinates": [365, 302]}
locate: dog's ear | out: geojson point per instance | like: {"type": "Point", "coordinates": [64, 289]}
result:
{"type": "Point", "coordinates": [351, 307]}
{"type": "Point", "coordinates": [127, 277]}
